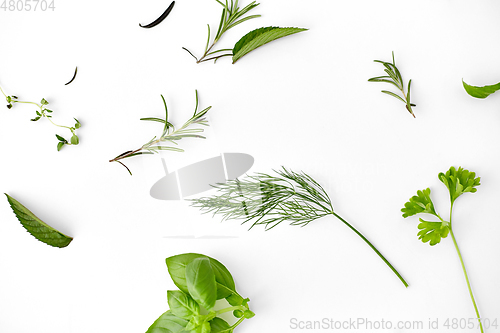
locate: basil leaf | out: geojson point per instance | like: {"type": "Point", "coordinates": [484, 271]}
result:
{"type": "Point", "coordinates": [219, 325]}
{"type": "Point", "coordinates": [168, 323]}
{"type": "Point", "coordinates": [259, 37]}
{"type": "Point", "coordinates": [200, 279]}
{"type": "Point", "coordinates": [182, 305]}
{"type": "Point", "coordinates": [177, 270]}
{"type": "Point", "coordinates": [481, 92]}
{"type": "Point", "coordinates": [36, 227]}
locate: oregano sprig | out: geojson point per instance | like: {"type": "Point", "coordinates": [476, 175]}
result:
{"type": "Point", "coordinates": [169, 134]}
{"type": "Point", "coordinates": [394, 77]}
{"type": "Point", "coordinates": [458, 181]}
{"type": "Point", "coordinates": [43, 112]}
{"type": "Point", "coordinates": [269, 200]}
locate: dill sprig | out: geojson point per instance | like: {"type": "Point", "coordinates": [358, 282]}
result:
{"type": "Point", "coordinates": [263, 199]}
{"type": "Point", "coordinates": [394, 77]}
{"type": "Point", "coordinates": [169, 134]}
{"type": "Point", "coordinates": [231, 16]}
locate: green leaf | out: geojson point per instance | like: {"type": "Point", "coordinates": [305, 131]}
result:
{"type": "Point", "coordinates": [168, 323]}
{"type": "Point", "coordinates": [481, 92]}
{"type": "Point", "coordinates": [49, 111]}
{"type": "Point", "coordinates": [44, 101]}
{"type": "Point", "coordinates": [219, 325]}
{"type": "Point", "coordinates": [432, 231]}
{"type": "Point", "coordinates": [36, 227]}
{"type": "Point", "coordinates": [75, 140]}
{"type": "Point", "coordinates": [77, 125]}
{"type": "Point", "coordinates": [36, 118]}
{"type": "Point", "coordinates": [177, 270]}
{"type": "Point", "coordinates": [200, 279]}
{"type": "Point", "coordinates": [60, 138]}
{"type": "Point", "coordinates": [421, 203]}
{"type": "Point", "coordinates": [60, 145]}
{"type": "Point", "coordinates": [154, 119]}
{"type": "Point", "coordinates": [459, 182]}
{"type": "Point", "coordinates": [259, 37]}
{"type": "Point", "coordinates": [182, 305]}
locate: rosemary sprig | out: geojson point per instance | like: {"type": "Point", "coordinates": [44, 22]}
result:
{"type": "Point", "coordinates": [268, 200]}
{"type": "Point", "coordinates": [394, 77]}
{"type": "Point", "coordinates": [46, 113]}
{"type": "Point", "coordinates": [169, 134]}
{"type": "Point", "coordinates": [232, 15]}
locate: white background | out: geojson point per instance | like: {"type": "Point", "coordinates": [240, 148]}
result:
{"type": "Point", "coordinates": [303, 102]}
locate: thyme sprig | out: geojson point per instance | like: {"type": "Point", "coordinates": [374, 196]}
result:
{"type": "Point", "coordinates": [43, 112]}
{"type": "Point", "coordinates": [268, 200]}
{"type": "Point", "coordinates": [231, 16]}
{"type": "Point", "coordinates": [169, 134]}
{"type": "Point", "coordinates": [394, 77]}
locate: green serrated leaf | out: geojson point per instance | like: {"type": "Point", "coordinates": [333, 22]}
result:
{"type": "Point", "coordinates": [432, 231]}
{"type": "Point", "coordinates": [459, 182]}
{"type": "Point", "coordinates": [259, 37]}
{"type": "Point", "coordinates": [36, 227]}
{"type": "Point", "coordinates": [420, 203]}
{"type": "Point", "coordinates": [481, 92]}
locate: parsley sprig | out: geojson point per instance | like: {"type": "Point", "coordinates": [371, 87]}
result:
{"type": "Point", "coordinates": [458, 181]}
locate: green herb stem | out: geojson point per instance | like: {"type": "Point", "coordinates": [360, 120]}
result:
{"type": "Point", "coordinates": [232, 308]}
{"type": "Point", "coordinates": [373, 248]}
{"type": "Point", "coordinates": [465, 273]}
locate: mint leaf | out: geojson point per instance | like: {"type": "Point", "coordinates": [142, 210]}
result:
{"type": "Point", "coordinates": [459, 181]}
{"type": "Point", "coordinates": [256, 38]}
{"type": "Point", "coordinates": [432, 231]}
{"type": "Point", "coordinates": [481, 92]}
{"type": "Point", "coordinates": [36, 227]}
{"type": "Point", "coordinates": [420, 203]}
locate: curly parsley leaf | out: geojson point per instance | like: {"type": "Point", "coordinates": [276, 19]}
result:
{"type": "Point", "coordinates": [432, 231]}
{"type": "Point", "coordinates": [481, 92]}
{"type": "Point", "coordinates": [459, 181]}
{"type": "Point", "coordinates": [420, 203]}
{"type": "Point", "coordinates": [36, 227]}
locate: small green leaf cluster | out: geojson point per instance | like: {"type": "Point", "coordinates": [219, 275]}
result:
{"type": "Point", "coordinates": [232, 15]}
{"type": "Point", "coordinates": [169, 134]}
{"type": "Point", "coordinates": [201, 281]}
{"type": "Point", "coordinates": [394, 77]}
{"type": "Point", "coordinates": [458, 181]}
{"type": "Point", "coordinates": [44, 112]}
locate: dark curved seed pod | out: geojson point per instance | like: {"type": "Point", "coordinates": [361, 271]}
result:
{"type": "Point", "coordinates": [74, 75]}
{"type": "Point", "coordinates": [159, 19]}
